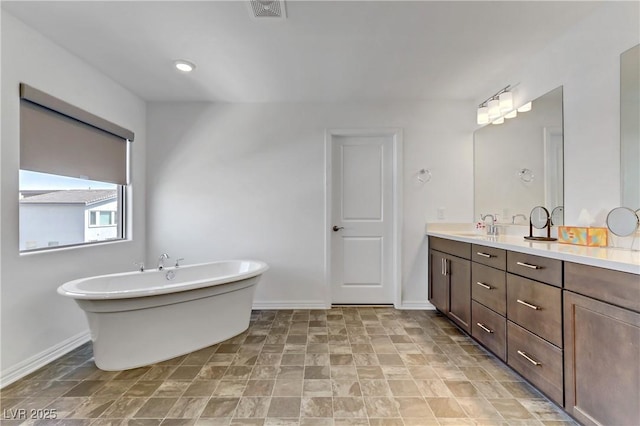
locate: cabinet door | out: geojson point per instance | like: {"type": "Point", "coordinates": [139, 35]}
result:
{"type": "Point", "coordinates": [602, 362]}
{"type": "Point", "coordinates": [438, 282]}
{"type": "Point", "coordinates": [458, 272]}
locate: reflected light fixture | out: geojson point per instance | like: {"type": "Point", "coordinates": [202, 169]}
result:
{"type": "Point", "coordinates": [184, 66]}
{"type": "Point", "coordinates": [525, 108]}
{"type": "Point", "coordinates": [512, 114]}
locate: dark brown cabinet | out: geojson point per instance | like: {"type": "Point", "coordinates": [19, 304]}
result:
{"type": "Point", "coordinates": [602, 350]}
{"type": "Point", "coordinates": [570, 329]}
{"type": "Point", "coordinates": [439, 284]}
{"type": "Point", "coordinates": [450, 280]}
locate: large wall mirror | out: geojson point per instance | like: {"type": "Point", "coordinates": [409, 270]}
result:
{"type": "Point", "coordinates": [519, 164]}
{"type": "Point", "coordinates": [630, 127]}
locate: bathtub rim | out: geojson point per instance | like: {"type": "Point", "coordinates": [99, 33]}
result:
{"type": "Point", "coordinates": [67, 289]}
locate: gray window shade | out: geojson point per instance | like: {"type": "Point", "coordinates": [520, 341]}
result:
{"type": "Point", "coordinates": [55, 138]}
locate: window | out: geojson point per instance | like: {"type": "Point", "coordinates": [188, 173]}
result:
{"type": "Point", "coordinates": [73, 174]}
{"type": "Point", "coordinates": [102, 218]}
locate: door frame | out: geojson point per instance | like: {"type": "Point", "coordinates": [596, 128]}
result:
{"type": "Point", "coordinates": [397, 181]}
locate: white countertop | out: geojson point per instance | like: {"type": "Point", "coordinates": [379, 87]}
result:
{"type": "Point", "coordinates": [618, 259]}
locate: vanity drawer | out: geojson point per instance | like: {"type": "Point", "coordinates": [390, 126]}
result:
{"type": "Point", "coordinates": [537, 360]}
{"type": "Point", "coordinates": [496, 258]}
{"type": "Point", "coordinates": [456, 248]}
{"type": "Point", "coordinates": [535, 267]}
{"type": "Point", "coordinates": [618, 288]}
{"type": "Point", "coordinates": [490, 329]}
{"type": "Point", "coordinates": [536, 307]}
{"type": "Point", "coordinates": [489, 287]}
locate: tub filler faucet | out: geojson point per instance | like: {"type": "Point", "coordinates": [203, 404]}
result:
{"type": "Point", "coordinates": [163, 256]}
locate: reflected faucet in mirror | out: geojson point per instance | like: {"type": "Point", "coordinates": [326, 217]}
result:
{"type": "Point", "coordinates": [515, 216]}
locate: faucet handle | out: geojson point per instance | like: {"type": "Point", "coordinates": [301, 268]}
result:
{"type": "Point", "coordinates": [140, 265]}
{"type": "Point", "coordinates": [178, 262]}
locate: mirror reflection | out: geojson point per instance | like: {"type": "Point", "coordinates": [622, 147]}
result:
{"type": "Point", "coordinates": [630, 127]}
{"type": "Point", "coordinates": [519, 164]}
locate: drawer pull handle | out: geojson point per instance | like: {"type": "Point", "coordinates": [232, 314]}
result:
{"type": "Point", "coordinates": [528, 358]}
{"type": "Point", "coordinates": [528, 265]}
{"type": "Point", "coordinates": [483, 285]}
{"type": "Point", "coordinates": [479, 253]}
{"type": "Point", "coordinates": [528, 305]}
{"type": "Point", "coordinates": [484, 328]}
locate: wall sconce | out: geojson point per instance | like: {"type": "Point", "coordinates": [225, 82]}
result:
{"type": "Point", "coordinates": [499, 106]}
{"type": "Point", "coordinates": [423, 175]}
{"type": "Point", "coordinates": [526, 175]}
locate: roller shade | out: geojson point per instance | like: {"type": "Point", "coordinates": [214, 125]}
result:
{"type": "Point", "coordinates": [59, 138]}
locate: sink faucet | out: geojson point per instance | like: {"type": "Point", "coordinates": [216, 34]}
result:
{"type": "Point", "coordinates": [163, 256]}
{"type": "Point", "coordinates": [514, 217]}
{"type": "Point", "coordinates": [492, 229]}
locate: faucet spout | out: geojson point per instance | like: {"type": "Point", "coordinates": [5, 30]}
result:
{"type": "Point", "coordinates": [161, 260]}
{"type": "Point", "coordinates": [492, 229]}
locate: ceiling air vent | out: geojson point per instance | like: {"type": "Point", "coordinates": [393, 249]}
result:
{"type": "Point", "coordinates": [268, 8]}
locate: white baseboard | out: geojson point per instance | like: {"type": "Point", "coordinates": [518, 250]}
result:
{"type": "Point", "coordinates": [31, 364]}
{"type": "Point", "coordinates": [419, 305]}
{"type": "Point", "coordinates": [298, 304]}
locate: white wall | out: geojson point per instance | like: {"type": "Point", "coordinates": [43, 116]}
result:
{"type": "Point", "coordinates": [586, 62]}
{"type": "Point", "coordinates": [34, 319]}
{"type": "Point", "coordinates": [37, 224]}
{"type": "Point", "coordinates": [247, 181]}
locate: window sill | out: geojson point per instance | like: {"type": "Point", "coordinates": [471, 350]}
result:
{"type": "Point", "coordinates": [70, 247]}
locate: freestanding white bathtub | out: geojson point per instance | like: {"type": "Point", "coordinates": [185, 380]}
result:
{"type": "Point", "coordinates": [139, 318]}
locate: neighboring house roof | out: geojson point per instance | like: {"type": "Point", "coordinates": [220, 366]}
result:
{"type": "Point", "coordinates": [72, 196]}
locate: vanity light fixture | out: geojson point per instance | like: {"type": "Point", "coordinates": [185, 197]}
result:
{"type": "Point", "coordinates": [512, 114]}
{"type": "Point", "coordinates": [498, 121]}
{"type": "Point", "coordinates": [184, 66]}
{"type": "Point", "coordinates": [495, 106]}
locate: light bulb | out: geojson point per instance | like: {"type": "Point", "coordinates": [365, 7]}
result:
{"type": "Point", "coordinates": [494, 108]}
{"type": "Point", "coordinates": [184, 66]}
{"type": "Point", "coordinates": [483, 115]}
{"type": "Point", "coordinates": [506, 101]}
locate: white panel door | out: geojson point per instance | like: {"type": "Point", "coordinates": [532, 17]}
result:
{"type": "Point", "coordinates": [362, 219]}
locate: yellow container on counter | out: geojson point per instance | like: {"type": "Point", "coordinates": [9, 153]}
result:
{"type": "Point", "coordinates": [583, 236]}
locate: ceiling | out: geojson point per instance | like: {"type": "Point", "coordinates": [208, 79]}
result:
{"type": "Point", "coordinates": [324, 51]}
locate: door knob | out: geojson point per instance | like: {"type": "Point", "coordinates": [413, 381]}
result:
{"type": "Point", "coordinates": [337, 228]}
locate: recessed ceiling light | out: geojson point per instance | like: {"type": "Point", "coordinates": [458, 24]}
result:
{"type": "Point", "coordinates": [184, 66]}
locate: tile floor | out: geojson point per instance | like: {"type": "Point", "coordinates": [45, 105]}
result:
{"type": "Point", "coordinates": [345, 366]}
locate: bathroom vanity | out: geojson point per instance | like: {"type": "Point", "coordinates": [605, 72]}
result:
{"type": "Point", "coordinates": [566, 318]}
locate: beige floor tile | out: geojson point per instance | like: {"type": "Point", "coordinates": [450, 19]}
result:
{"type": "Point", "coordinates": [381, 407]}
{"type": "Point", "coordinates": [287, 387]}
{"type": "Point", "coordinates": [511, 409]}
{"type": "Point", "coordinates": [349, 407]}
{"type": "Point", "coordinates": [346, 388]}
{"type": "Point", "coordinates": [348, 366]}
{"type": "Point", "coordinates": [446, 408]}
{"type": "Point", "coordinates": [284, 407]}
{"type": "Point", "coordinates": [316, 406]}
